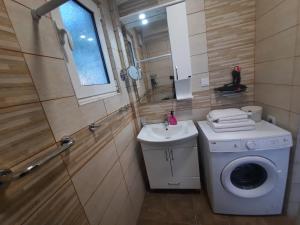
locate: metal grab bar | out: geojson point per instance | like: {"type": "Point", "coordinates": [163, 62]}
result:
{"type": "Point", "coordinates": [7, 175]}
{"type": "Point", "coordinates": [154, 58]}
{"type": "Point", "coordinates": [94, 126]}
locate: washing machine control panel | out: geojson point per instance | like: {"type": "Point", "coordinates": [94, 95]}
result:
{"type": "Point", "coordinates": [251, 144]}
{"type": "Point", "coordinates": [268, 143]}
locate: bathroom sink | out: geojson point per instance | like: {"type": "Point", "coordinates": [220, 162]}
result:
{"type": "Point", "coordinates": [160, 133]}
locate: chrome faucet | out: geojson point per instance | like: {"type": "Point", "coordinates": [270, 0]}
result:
{"type": "Point", "coordinates": [166, 122]}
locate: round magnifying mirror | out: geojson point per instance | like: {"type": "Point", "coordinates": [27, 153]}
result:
{"type": "Point", "coordinates": [133, 72]}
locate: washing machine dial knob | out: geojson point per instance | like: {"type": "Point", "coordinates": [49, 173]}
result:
{"type": "Point", "coordinates": [251, 145]}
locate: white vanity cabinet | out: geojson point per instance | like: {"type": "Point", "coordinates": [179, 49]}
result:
{"type": "Point", "coordinates": [173, 166]}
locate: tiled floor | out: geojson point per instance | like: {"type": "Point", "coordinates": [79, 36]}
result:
{"type": "Point", "coordinates": [193, 209]}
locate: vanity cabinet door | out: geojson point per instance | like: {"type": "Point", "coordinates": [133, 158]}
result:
{"type": "Point", "coordinates": [185, 167]}
{"type": "Point", "coordinates": [158, 167]}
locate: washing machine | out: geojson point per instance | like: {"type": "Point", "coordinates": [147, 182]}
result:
{"type": "Point", "coordinates": [246, 171]}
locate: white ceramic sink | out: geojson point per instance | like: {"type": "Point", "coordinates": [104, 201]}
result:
{"type": "Point", "coordinates": [160, 134]}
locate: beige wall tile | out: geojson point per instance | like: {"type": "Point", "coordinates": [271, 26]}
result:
{"type": "Point", "coordinates": [23, 197]}
{"type": "Point", "coordinates": [100, 200]}
{"type": "Point", "coordinates": [279, 46]}
{"type": "Point", "coordinates": [282, 116]}
{"type": "Point", "coordinates": [123, 138]}
{"type": "Point", "coordinates": [63, 207]}
{"type": "Point", "coordinates": [194, 114]}
{"type": "Point", "coordinates": [295, 193]}
{"type": "Point", "coordinates": [275, 72]}
{"type": "Point", "coordinates": [92, 112]}
{"type": "Point", "coordinates": [117, 206]}
{"type": "Point", "coordinates": [24, 133]}
{"type": "Point", "coordinates": [193, 6]}
{"type": "Point", "coordinates": [64, 116]}
{"type": "Point", "coordinates": [263, 6]}
{"type": "Point", "coordinates": [128, 155]}
{"type": "Point", "coordinates": [296, 173]}
{"type": "Point", "coordinates": [295, 103]}
{"type": "Point", "coordinates": [50, 77]}
{"type": "Point", "coordinates": [196, 23]}
{"type": "Point", "coordinates": [137, 194]}
{"type": "Point", "coordinates": [17, 87]}
{"type": "Point", "coordinates": [112, 104]}
{"type": "Point", "coordinates": [33, 4]}
{"type": "Point", "coordinates": [273, 95]}
{"type": "Point", "coordinates": [196, 82]}
{"type": "Point", "coordinates": [280, 18]}
{"type": "Point", "coordinates": [132, 171]}
{"type": "Point", "coordinates": [87, 179]}
{"type": "Point", "coordinates": [199, 64]}
{"type": "Point", "coordinates": [198, 44]}
{"type": "Point", "coordinates": [296, 76]}
{"type": "Point", "coordinates": [298, 41]}
{"type": "Point", "coordinates": [295, 127]}
{"type": "Point", "coordinates": [36, 38]}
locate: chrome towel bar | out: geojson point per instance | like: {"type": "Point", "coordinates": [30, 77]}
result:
{"type": "Point", "coordinates": [94, 126]}
{"type": "Point", "coordinates": [7, 175]}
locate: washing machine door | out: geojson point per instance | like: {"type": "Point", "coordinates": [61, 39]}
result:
{"type": "Point", "coordinates": [250, 177]}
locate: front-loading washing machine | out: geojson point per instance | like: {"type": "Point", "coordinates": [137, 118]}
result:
{"type": "Point", "coordinates": [246, 171]}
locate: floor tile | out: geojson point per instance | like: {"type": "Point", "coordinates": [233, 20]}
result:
{"type": "Point", "coordinates": [193, 208]}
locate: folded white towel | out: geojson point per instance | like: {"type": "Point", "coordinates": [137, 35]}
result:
{"type": "Point", "coordinates": [227, 115]}
{"type": "Point", "coordinates": [233, 129]}
{"type": "Point", "coordinates": [227, 121]}
{"type": "Point", "coordinates": [247, 123]}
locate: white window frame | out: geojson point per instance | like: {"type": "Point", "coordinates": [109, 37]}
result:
{"type": "Point", "coordinates": [89, 93]}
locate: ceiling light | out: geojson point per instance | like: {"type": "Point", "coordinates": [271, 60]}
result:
{"type": "Point", "coordinates": [90, 39]}
{"type": "Point", "coordinates": [142, 16]}
{"type": "Point", "coordinates": [82, 36]}
{"type": "Point", "coordinates": [145, 21]}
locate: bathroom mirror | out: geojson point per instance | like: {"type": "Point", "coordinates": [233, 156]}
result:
{"type": "Point", "coordinates": [133, 72]}
{"type": "Point", "coordinates": [148, 48]}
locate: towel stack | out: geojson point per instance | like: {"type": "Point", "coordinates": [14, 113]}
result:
{"type": "Point", "coordinates": [228, 120]}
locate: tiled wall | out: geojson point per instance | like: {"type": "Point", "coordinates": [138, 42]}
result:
{"type": "Point", "coordinates": [277, 86]}
{"type": "Point", "coordinates": [98, 181]}
{"type": "Point", "coordinates": [230, 28]}
{"type": "Point", "coordinates": [221, 34]}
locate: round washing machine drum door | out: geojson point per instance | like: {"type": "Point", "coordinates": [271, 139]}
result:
{"type": "Point", "coordinates": [250, 177]}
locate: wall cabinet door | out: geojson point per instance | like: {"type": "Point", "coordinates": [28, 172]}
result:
{"type": "Point", "coordinates": [179, 39]}
{"type": "Point", "coordinates": [158, 167]}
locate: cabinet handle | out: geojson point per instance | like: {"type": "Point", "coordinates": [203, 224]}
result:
{"type": "Point", "coordinates": [166, 153]}
{"type": "Point", "coordinates": [176, 72]}
{"type": "Point", "coordinates": [174, 183]}
{"type": "Point", "coordinates": [172, 156]}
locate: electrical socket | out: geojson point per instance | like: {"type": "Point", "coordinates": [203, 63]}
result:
{"type": "Point", "coordinates": [271, 119]}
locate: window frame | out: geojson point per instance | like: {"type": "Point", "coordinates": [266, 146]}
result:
{"type": "Point", "coordinates": [89, 93]}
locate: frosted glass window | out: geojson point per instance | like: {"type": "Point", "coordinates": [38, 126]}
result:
{"type": "Point", "coordinates": [87, 52]}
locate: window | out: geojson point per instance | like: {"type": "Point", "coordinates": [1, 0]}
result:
{"type": "Point", "coordinates": [88, 62]}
